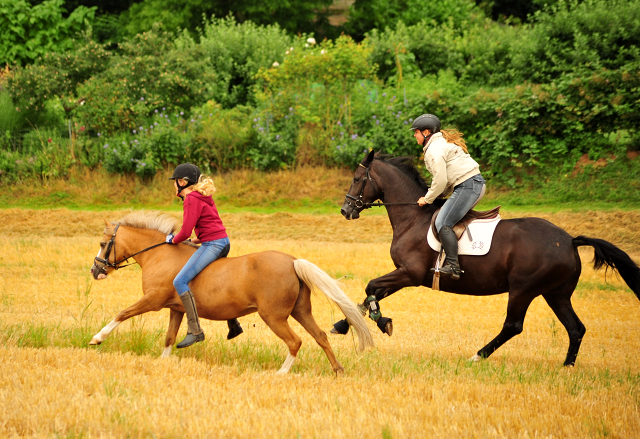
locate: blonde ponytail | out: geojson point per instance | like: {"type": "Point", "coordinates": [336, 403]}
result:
{"type": "Point", "coordinates": [205, 186]}
{"type": "Point", "coordinates": [454, 136]}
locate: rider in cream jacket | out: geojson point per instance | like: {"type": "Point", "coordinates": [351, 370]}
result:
{"type": "Point", "coordinates": [448, 165]}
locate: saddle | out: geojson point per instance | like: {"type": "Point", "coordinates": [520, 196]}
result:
{"type": "Point", "coordinates": [461, 226]}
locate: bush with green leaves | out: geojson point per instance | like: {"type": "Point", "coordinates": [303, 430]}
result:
{"type": "Point", "coordinates": [312, 90]}
{"type": "Point", "coordinates": [572, 34]}
{"type": "Point", "coordinates": [223, 136]}
{"type": "Point", "coordinates": [151, 71]}
{"type": "Point", "coordinates": [366, 15]}
{"type": "Point", "coordinates": [57, 75]}
{"type": "Point", "coordinates": [236, 52]}
{"type": "Point", "coordinates": [294, 16]}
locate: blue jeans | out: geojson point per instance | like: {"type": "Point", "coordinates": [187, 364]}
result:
{"type": "Point", "coordinates": [206, 254]}
{"type": "Point", "coordinates": [465, 196]}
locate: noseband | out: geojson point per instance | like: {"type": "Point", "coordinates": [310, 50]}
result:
{"type": "Point", "coordinates": [112, 245]}
{"type": "Point", "coordinates": [357, 202]}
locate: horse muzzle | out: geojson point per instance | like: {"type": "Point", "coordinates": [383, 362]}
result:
{"type": "Point", "coordinates": [349, 212]}
{"type": "Point", "coordinates": [98, 273]}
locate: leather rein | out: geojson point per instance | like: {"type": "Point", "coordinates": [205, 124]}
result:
{"type": "Point", "coordinates": [359, 204]}
{"type": "Point", "coordinates": [112, 245]}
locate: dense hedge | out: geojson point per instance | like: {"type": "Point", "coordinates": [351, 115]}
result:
{"type": "Point", "coordinates": [530, 98]}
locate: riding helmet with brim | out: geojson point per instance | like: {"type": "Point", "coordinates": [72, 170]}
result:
{"type": "Point", "coordinates": [187, 172]}
{"type": "Point", "coordinates": [426, 122]}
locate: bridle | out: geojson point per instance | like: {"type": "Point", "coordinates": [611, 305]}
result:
{"type": "Point", "coordinates": [360, 205]}
{"type": "Point", "coordinates": [116, 264]}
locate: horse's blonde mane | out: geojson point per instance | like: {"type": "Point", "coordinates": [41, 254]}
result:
{"type": "Point", "coordinates": [151, 220]}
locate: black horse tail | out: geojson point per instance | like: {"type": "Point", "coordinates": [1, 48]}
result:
{"type": "Point", "coordinates": [607, 254]}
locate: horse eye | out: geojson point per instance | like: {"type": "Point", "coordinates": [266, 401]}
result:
{"type": "Point", "coordinates": [102, 244]}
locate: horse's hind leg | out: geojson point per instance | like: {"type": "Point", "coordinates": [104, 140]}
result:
{"type": "Point", "coordinates": [280, 326]}
{"type": "Point", "coordinates": [559, 300]}
{"type": "Point", "coordinates": [302, 313]}
{"type": "Point", "coordinates": [513, 324]}
{"type": "Point", "coordinates": [175, 319]}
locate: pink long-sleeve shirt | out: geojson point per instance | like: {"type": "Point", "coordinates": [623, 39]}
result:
{"type": "Point", "coordinates": [200, 213]}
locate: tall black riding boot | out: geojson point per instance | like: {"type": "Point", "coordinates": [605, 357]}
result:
{"type": "Point", "coordinates": [450, 245]}
{"type": "Point", "coordinates": [234, 328]}
{"type": "Point", "coordinates": [194, 331]}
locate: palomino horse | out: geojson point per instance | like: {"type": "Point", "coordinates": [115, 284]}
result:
{"type": "Point", "coordinates": [529, 257]}
{"type": "Point", "coordinates": [274, 284]}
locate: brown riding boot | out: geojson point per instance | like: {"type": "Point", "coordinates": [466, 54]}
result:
{"type": "Point", "coordinates": [194, 331]}
{"type": "Point", "coordinates": [450, 244]}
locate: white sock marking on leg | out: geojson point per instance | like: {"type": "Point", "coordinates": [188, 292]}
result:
{"type": "Point", "coordinates": [287, 364]}
{"type": "Point", "coordinates": [104, 332]}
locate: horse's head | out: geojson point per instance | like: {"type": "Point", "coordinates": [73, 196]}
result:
{"type": "Point", "coordinates": [104, 262]}
{"type": "Point", "coordinates": [362, 191]}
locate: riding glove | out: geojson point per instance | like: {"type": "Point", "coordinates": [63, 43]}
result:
{"type": "Point", "coordinates": [169, 238]}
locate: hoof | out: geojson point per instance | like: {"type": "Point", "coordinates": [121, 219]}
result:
{"type": "Point", "coordinates": [234, 332]}
{"type": "Point", "coordinates": [475, 358]}
{"type": "Point", "coordinates": [385, 324]}
{"type": "Point", "coordinates": [339, 371]}
{"type": "Point", "coordinates": [94, 342]}
{"type": "Point", "coordinates": [341, 327]}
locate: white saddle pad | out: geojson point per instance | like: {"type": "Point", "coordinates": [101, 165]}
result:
{"type": "Point", "coordinates": [481, 232]}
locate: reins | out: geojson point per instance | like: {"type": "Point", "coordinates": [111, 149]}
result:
{"type": "Point", "coordinates": [359, 204]}
{"type": "Point", "coordinates": [116, 265]}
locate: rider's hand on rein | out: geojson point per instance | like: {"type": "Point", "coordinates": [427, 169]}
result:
{"type": "Point", "coordinates": [169, 238]}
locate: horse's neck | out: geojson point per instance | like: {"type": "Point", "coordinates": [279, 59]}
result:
{"type": "Point", "coordinates": [400, 188]}
{"type": "Point", "coordinates": [135, 240]}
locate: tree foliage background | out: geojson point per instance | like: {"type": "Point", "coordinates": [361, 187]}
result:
{"type": "Point", "coordinates": [136, 86]}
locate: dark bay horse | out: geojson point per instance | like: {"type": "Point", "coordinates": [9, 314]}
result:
{"type": "Point", "coordinates": [529, 257]}
{"type": "Point", "coordinates": [274, 284]}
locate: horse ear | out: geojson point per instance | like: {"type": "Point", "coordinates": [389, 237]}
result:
{"type": "Point", "coordinates": [106, 223]}
{"type": "Point", "coordinates": [368, 159]}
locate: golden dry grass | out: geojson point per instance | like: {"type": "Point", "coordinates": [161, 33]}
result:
{"type": "Point", "coordinates": [415, 384]}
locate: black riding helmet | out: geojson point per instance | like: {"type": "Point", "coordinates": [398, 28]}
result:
{"type": "Point", "coordinates": [188, 172]}
{"type": "Point", "coordinates": [426, 122]}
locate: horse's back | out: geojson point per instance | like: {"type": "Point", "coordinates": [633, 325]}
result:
{"type": "Point", "coordinates": [536, 249]}
{"type": "Point", "coordinates": [242, 284]}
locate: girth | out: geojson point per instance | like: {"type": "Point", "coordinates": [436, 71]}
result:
{"type": "Point", "coordinates": [461, 226]}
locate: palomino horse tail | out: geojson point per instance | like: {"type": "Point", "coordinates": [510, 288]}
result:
{"type": "Point", "coordinates": [313, 276]}
{"type": "Point", "coordinates": [607, 254]}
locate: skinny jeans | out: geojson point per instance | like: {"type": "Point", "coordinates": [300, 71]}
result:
{"type": "Point", "coordinates": [207, 253]}
{"type": "Point", "coordinates": [464, 197]}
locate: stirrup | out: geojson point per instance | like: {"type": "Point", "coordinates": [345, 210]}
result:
{"type": "Point", "coordinates": [450, 271]}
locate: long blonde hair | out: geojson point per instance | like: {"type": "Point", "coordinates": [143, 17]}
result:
{"type": "Point", "coordinates": [204, 186]}
{"type": "Point", "coordinates": [454, 136]}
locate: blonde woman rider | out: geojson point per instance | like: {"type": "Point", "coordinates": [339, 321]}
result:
{"type": "Point", "coordinates": [453, 171]}
{"type": "Point", "coordinates": [199, 213]}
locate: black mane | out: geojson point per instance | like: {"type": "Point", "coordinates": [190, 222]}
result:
{"type": "Point", "coordinates": [405, 164]}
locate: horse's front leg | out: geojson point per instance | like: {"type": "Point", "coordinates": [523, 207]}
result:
{"type": "Point", "coordinates": [379, 288]}
{"type": "Point", "coordinates": [145, 304]}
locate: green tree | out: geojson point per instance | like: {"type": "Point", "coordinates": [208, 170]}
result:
{"type": "Point", "coordinates": [293, 16]}
{"type": "Point", "coordinates": [29, 32]}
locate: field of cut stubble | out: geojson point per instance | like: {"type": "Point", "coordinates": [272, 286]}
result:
{"type": "Point", "coordinates": [417, 383]}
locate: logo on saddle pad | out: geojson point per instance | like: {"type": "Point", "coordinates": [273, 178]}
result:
{"type": "Point", "coordinates": [474, 235]}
